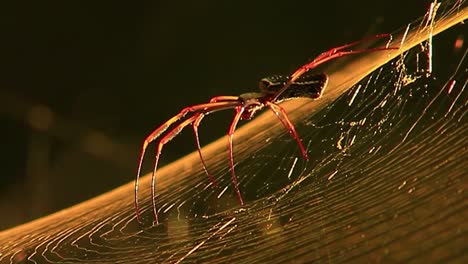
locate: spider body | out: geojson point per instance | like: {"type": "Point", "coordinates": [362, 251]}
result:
{"type": "Point", "coordinates": [307, 86]}
{"type": "Point", "coordinates": [252, 103]}
{"type": "Point", "coordinates": [273, 90]}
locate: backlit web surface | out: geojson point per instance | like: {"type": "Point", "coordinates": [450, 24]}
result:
{"type": "Point", "coordinates": [386, 181]}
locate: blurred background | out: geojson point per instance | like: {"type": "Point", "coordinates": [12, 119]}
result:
{"type": "Point", "coordinates": [82, 83]}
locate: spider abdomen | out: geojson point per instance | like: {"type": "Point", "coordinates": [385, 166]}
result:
{"type": "Point", "coordinates": [308, 86]}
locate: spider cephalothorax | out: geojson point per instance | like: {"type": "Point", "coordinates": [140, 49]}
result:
{"type": "Point", "coordinates": [274, 90]}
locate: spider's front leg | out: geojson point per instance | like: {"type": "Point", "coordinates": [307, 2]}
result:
{"type": "Point", "coordinates": [164, 140]}
{"type": "Point", "coordinates": [201, 108]}
{"type": "Point", "coordinates": [239, 111]}
{"type": "Point", "coordinates": [196, 124]}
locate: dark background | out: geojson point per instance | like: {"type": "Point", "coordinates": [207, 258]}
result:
{"type": "Point", "coordinates": [83, 82]}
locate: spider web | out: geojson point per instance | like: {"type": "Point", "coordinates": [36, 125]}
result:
{"type": "Point", "coordinates": [385, 181]}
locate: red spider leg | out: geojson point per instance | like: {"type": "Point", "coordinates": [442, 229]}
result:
{"type": "Point", "coordinates": [330, 55]}
{"type": "Point", "coordinates": [336, 49]}
{"type": "Point", "coordinates": [164, 140]}
{"type": "Point", "coordinates": [239, 110]}
{"type": "Point", "coordinates": [157, 132]}
{"type": "Point", "coordinates": [283, 117]}
{"type": "Point", "coordinates": [224, 98]}
{"type": "Point", "coordinates": [195, 125]}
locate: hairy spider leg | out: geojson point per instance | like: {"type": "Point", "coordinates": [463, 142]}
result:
{"type": "Point", "coordinates": [239, 110]}
{"type": "Point", "coordinates": [283, 117]}
{"type": "Point", "coordinates": [330, 55]}
{"type": "Point", "coordinates": [195, 126]}
{"type": "Point", "coordinates": [207, 107]}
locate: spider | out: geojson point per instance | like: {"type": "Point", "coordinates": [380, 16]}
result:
{"type": "Point", "coordinates": [273, 90]}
